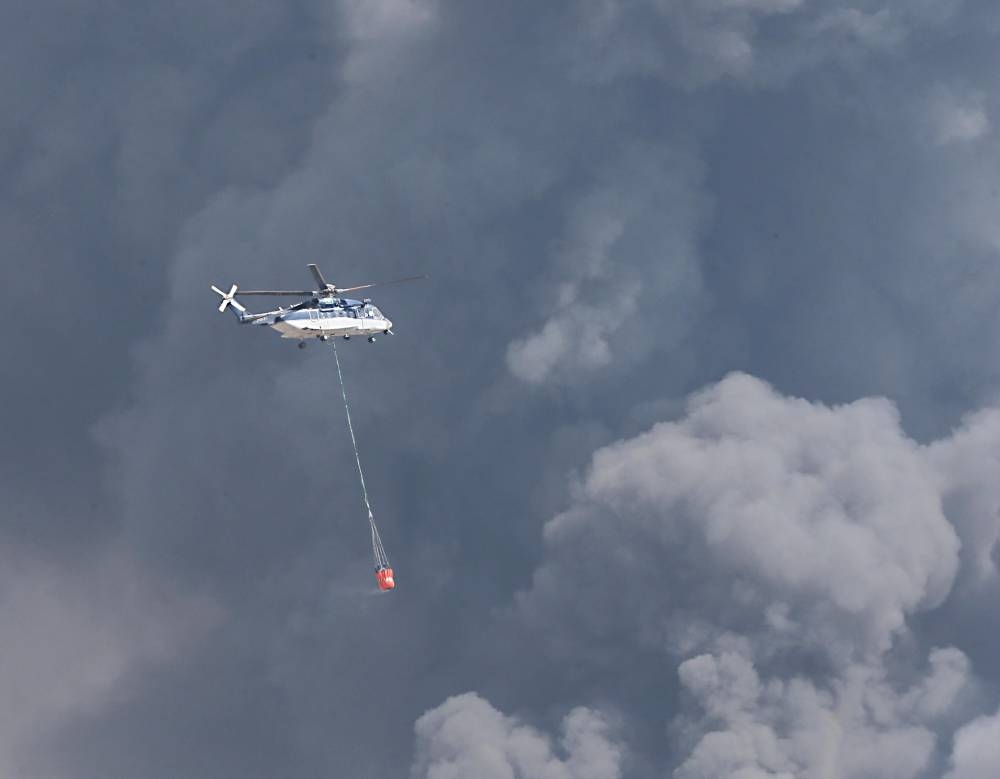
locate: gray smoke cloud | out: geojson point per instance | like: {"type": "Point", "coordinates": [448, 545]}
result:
{"type": "Point", "coordinates": [648, 211]}
{"type": "Point", "coordinates": [693, 44]}
{"type": "Point", "coordinates": [77, 636]}
{"type": "Point", "coordinates": [466, 736]}
{"type": "Point", "coordinates": [855, 725]}
{"type": "Point", "coordinates": [965, 462]}
{"type": "Point", "coordinates": [618, 203]}
{"type": "Point", "coordinates": [826, 522]}
{"type": "Point", "coordinates": [775, 550]}
{"type": "Point", "coordinates": [977, 749]}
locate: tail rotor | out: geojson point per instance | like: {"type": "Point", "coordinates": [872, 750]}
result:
{"type": "Point", "coordinates": [229, 299]}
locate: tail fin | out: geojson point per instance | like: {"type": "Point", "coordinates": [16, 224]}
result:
{"type": "Point", "coordinates": [229, 299]}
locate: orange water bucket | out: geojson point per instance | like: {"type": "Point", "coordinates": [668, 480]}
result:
{"type": "Point", "coordinates": [385, 579]}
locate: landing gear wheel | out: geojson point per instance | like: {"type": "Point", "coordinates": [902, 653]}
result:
{"type": "Point", "coordinates": [371, 339]}
{"type": "Point", "coordinates": [302, 344]}
{"type": "Point", "coordinates": [347, 338]}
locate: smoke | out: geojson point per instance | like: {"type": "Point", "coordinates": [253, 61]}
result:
{"type": "Point", "coordinates": [774, 550]}
{"type": "Point", "coordinates": [466, 736]}
{"type": "Point", "coordinates": [976, 753]}
{"type": "Point", "coordinates": [695, 44]}
{"type": "Point", "coordinates": [77, 635]}
{"type": "Point", "coordinates": [629, 248]}
{"type": "Point", "coordinates": [856, 724]}
{"type": "Point", "coordinates": [966, 462]}
{"type": "Point", "coordinates": [955, 116]}
{"type": "Point", "coordinates": [800, 522]}
{"type": "Point", "coordinates": [617, 202]}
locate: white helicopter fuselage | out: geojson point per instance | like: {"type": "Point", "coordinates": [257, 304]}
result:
{"type": "Point", "coordinates": [364, 321]}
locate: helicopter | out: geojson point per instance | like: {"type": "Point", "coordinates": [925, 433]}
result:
{"type": "Point", "coordinates": [325, 313]}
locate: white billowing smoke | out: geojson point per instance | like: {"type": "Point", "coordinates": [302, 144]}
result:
{"type": "Point", "coordinates": [967, 463]}
{"type": "Point", "coordinates": [465, 737]}
{"type": "Point", "coordinates": [790, 522]}
{"type": "Point", "coordinates": [857, 725]}
{"type": "Point", "coordinates": [977, 750]}
{"type": "Point", "coordinates": [774, 549]}
{"type": "Point", "coordinates": [577, 334]}
{"type": "Point", "coordinates": [631, 239]}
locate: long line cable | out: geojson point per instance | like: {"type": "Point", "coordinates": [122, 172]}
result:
{"type": "Point", "coordinates": [381, 559]}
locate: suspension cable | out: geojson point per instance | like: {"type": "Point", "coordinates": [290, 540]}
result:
{"type": "Point", "coordinates": [381, 559]}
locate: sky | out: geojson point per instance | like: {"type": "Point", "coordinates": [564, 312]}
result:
{"type": "Point", "coordinates": [685, 455]}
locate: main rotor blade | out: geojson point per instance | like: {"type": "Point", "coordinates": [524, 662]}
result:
{"type": "Point", "coordinates": [382, 283]}
{"type": "Point", "coordinates": [318, 276]}
{"type": "Point", "coordinates": [298, 292]}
